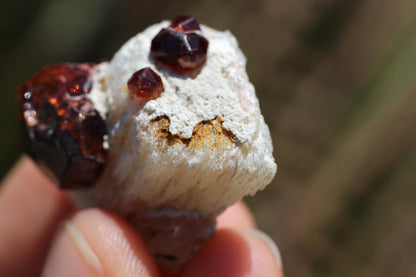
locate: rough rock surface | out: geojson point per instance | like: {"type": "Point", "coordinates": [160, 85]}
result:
{"type": "Point", "coordinates": [199, 147]}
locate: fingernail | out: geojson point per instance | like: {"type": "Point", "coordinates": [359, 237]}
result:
{"type": "Point", "coordinates": [270, 243]}
{"type": "Point", "coordinates": [71, 255]}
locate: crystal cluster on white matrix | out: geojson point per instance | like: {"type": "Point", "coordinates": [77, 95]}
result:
{"type": "Point", "coordinates": [206, 170]}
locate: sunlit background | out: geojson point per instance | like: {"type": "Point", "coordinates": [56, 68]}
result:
{"type": "Point", "coordinates": [336, 81]}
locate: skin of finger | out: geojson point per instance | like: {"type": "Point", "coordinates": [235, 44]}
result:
{"type": "Point", "coordinates": [120, 250]}
{"type": "Point", "coordinates": [31, 208]}
{"type": "Point", "coordinates": [236, 216]}
{"type": "Point", "coordinates": [234, 253]}
{"type": "Point", "coordinates": [65, 260]}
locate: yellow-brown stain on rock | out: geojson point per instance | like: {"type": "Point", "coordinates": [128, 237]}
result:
{"type": "Point", "coordinates": [103, 83]}
{"type": "Point", "coordinates": [208, 132]}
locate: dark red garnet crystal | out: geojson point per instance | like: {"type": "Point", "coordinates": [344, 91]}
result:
{"type": "Point", "coordinates": [62, 131]}
{"type": "Point", "coordinates": [180, 47]}
{"type": "Point", "coordinates": [145, 84]}
{"type": "Point", "coordinates": [184, 23]}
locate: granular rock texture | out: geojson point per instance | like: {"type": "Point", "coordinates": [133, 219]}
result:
{"type": "Point", "coordinates": [200, 146]}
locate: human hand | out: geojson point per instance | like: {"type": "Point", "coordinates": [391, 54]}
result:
{"type": "Point", "coordinates": [42, 234]}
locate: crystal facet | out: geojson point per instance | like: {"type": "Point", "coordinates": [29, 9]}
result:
{"type": "Point", "coordinates": [185, 24]}
{"type": "Point", "coordinates": [62, 131]}
{"type": "Point", "coordinates": [180, 47]}
{"type": "Point", "coordinates": [145, 84]}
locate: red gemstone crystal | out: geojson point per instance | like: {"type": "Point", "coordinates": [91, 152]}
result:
{"type": "Point", "coordinates": [62, 131]}
{"type": "Point", "coordinates": [179, 48]}
{"type": "Point", "coordinates": [145, 84]}
{"type": "Point", "coordinates": [185, 23]}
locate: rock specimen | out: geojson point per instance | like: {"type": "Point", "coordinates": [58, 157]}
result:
{"type": "Point", "coordinates": [167, 134]}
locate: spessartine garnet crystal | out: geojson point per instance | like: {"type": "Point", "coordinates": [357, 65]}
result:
{"type": "Point", "coordinates": [184, 24]}
{"type": "Point", "coordinates": [145, 84]}
{"type": "Point", "coordinates": [62, 131]}
{"type": "Point", "coordinates": [180, 47]}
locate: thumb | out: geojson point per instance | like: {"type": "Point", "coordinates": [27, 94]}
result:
{"type": "Point", "coordinates": [97, 243]}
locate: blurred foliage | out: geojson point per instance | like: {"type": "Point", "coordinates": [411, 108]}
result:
{"type": "Point", "coordinates": [336, 83]}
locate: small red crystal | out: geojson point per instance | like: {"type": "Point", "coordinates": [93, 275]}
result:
{"type": "Point", "coordinates": [62, 131]}
{"type": "Point", "coordinates": [185, 23]}
{"type": "Point", "coordinates": [145, 84]}
{"type": "Point", "coordinates": [179, 48]}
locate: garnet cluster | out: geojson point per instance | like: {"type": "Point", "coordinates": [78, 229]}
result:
{"type": "Point", "coordinates": [180, 47]}
{"type": "Point", "coordinates": [62, 131]}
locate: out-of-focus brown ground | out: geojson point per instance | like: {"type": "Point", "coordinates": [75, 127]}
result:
{"type": "Point", "coordinates": [337, 86]}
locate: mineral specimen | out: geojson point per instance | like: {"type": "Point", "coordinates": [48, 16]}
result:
{"type": "Point", "coordinates": [193, 144]}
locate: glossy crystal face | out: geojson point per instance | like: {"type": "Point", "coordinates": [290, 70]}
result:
{"type": "Point", "coordinates": [185, 24]}
{"type": "Point", "coordinates": [61, 130]}
{"type": "Point", "coordinates": [145, 84]}
{"type": "Point", "coordinates": [180, 47]}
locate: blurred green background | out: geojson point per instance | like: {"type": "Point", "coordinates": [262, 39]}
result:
{"type": "Point", "coordinates": [337, 86]}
